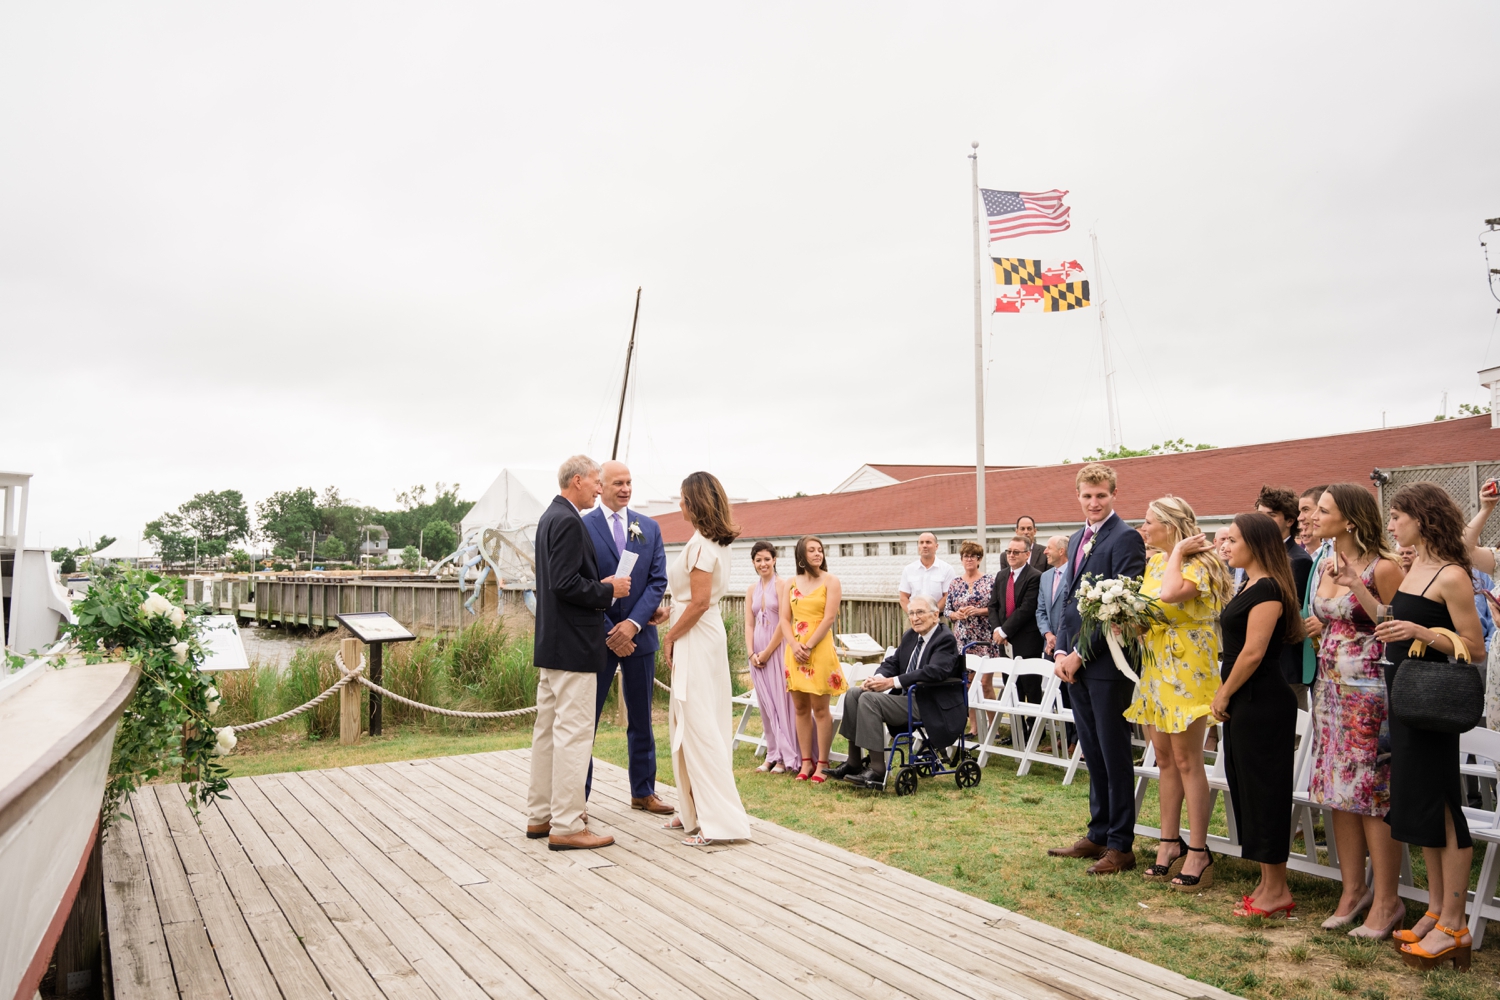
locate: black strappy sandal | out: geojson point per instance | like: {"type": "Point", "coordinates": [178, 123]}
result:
{"type": "Point", "coordinates": [1191, 883]}
{"type": "Point", "coordinates": [1160, 873]}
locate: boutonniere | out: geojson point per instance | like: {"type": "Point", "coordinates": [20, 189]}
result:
{"type": "Point", "coordinates": [635, 532]}
{"type": "Point", "coordinates": [1090, 546]}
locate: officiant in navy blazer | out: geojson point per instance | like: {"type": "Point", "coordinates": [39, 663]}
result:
{"type": "Point", "coordinates": [1103, 548]}
{"type": "Point", "coordinates": [632, 641]}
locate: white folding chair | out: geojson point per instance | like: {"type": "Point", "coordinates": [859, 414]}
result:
{"type": "Point", "coordinates": [748, 704]}
{"type": "Point", "coordinates": [853, 674]}
{"type": "Point", "coordinates": [1484, 827]}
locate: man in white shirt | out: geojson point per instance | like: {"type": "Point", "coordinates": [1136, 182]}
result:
{"type": "Point", "coordinates": [929, 575]}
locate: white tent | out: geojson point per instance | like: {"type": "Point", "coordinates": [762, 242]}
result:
{"type": "Point", "coordinates": [514, 500]}
{"type": "Point", "coordinates": [498, 535]}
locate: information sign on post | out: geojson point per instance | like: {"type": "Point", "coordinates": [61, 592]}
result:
{"type": "Point", "coordinates": [375, 629]}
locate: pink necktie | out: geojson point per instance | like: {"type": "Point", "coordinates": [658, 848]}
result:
{"type": "Point", "coordinates": [619, 519]}
{"type": "Point", "coordinates": [1083, 548]}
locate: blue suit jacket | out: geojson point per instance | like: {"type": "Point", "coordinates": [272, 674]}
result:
{"type": "Point", "coordinates": [1049, 612]}
{"type": "Point", "coordinates": [1117, 551]}
{"type": "Point", "coordinates": [648, 580]}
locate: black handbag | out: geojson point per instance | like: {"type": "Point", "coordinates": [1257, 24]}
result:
{"type": "Point", "coordinates": [1437, 696]}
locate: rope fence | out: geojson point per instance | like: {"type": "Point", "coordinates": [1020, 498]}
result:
{"type": "Point", "coordinates": [349, 675]}
{"type": "Point", "coordinates": [358, 675]}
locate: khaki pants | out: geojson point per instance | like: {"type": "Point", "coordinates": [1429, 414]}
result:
{"type": "Point", "coordinates": [562, 743]}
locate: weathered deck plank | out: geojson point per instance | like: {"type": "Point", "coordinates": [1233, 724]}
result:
{"type": "Point", "coordinates": [414, 880]}
{"type": "Point", "coordinates": [142, 968]}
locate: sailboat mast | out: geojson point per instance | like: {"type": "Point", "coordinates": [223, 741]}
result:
{"type": "Point", "coordinates": [614, 451]}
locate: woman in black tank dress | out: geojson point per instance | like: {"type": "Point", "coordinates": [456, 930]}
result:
{"type": "Point", "coordinates": [1258, 709]}
{"type": "Point", "coordinates": [1426, 790]}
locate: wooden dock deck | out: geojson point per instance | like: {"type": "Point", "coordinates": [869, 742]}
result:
{"type": "Point", "coordinates": [415, 879]}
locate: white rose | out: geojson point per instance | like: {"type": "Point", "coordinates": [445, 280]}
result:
{"type": "Point", "coordinates": [180, 652]}
{"type": "Point", "coordinates": [226, 740]}
{"type": "Point", "coordinates": [176, 616]}
{"type": "Point", "coordinates": [213, 701]}
{"type": "Point", "coordinates": [155, 604]}
{"type": "Point", "coordinates": [1108, 609]}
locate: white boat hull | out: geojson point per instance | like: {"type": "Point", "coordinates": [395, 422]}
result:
{"type": "Point", "coordinates": [56, 737]}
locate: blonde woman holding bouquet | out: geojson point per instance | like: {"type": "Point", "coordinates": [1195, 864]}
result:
{"type": "Point", "coordinates": [1179, 678]}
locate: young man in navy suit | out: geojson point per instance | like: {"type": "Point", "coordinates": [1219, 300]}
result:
{"type": "Point", "coordinates": [631, 621]}
{"type": "Point", "coordinates": [1105, 547]}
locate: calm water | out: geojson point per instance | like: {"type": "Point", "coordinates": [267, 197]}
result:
{"type": "Point", "coordinates": [271, 647]}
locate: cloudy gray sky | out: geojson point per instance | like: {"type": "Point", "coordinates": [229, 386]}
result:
{"type": "Point", "coordinates": [256, 246]}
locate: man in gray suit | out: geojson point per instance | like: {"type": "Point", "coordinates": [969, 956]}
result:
{"type": "Point", "coordinates": [1054, 593]}
{"type": "Point", "coordinates": [1049, 610]}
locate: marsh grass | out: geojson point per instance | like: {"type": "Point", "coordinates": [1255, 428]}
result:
{"type": "Point", "coordinates": [486, 667]}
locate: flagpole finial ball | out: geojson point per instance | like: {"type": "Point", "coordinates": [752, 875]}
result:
{"type": "Point", "coordinates": [974, 144]}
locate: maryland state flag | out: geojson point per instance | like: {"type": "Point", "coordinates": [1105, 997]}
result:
{"type": "Point", "coordinates": [1035, 286]}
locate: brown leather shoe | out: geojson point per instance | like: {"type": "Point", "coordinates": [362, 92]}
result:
{"type": "Point", "coordinates": [652, 804]}
{"type": "Point", "coordinates": [1082, 848]}
{"type": "Point", "coordinates": [1113, 862]}
{"type": "Point", "coordinates": [538, 832]}
{"type": "Point", "coordinates": [580, 841]}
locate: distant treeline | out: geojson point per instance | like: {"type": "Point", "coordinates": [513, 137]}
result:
{"type": "Point", "coordinates": [217, 523]}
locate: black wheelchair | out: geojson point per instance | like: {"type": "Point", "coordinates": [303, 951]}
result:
{"type": "Point", "coordinates": [919, 758]}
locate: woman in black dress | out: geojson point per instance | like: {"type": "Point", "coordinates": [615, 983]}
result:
{"type": "Point", "coordinates": [1426, 789]}
{"type": "Point", "coordinates": [1257, 707]}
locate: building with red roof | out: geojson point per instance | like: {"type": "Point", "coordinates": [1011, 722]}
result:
{"type": "Point", "coordinates": [871, 531]}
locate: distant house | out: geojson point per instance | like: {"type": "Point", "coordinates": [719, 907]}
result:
{"type": "Point", "coordinates": [870, 527]}
{"type": "Point", "coordinates": [374, 542]}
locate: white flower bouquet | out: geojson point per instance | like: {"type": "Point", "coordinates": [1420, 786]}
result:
{"type": "Point", "coordinates": [1115, 607]}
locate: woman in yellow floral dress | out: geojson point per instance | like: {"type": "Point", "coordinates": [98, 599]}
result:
{"type": "Point", "coordinates": [1179, 678]}
{"type": "Point", "coordinates": [813, 674]}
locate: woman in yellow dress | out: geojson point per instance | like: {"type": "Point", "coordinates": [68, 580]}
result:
{"type": "Point", "coordinates": [1179, 678]}
{"type": "Point", "coordinates": [813, 674]}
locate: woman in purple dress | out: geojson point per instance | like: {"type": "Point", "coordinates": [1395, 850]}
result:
{"type": "Point", "coordinates": [763, 640]}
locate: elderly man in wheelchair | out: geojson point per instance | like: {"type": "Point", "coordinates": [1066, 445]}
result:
{"type": "Point", "coordinates": [917, 694]}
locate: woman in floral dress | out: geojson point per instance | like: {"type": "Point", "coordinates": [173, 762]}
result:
{"type": "Point", "coordinates": [813, 674]}
{"type": "Point", "coordinates": [968, 607]}
{"type": "Point", "coordinates": [1350, 772]}
{"type": "Point", "coordinates": [1178, 682]}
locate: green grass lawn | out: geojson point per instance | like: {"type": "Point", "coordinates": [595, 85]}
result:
{"type": "Point", "coordinates": [990, 842]}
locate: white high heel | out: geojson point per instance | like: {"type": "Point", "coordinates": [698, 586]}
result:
{"type": "Point", "coordinates": [1335, 922]}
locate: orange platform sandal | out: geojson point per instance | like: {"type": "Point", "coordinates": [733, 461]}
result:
{"type": "Point", "coordinates": [1459, 952]}
{"type": "Point", "coordinates": [1410, 936]}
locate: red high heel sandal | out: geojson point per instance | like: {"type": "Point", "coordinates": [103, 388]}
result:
{"type": "Point", "coordinates": [818, 775]}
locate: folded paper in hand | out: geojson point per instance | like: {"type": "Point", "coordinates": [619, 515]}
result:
{"type": "Point", "coordinates": [627, 563]}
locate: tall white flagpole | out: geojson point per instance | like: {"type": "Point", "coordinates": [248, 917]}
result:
{"type": "Point", "coordinates": [978, 367]}
{"type": "Point", "coordinates": [1097, 292]}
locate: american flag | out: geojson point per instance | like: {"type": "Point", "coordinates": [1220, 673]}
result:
{"type": "Point", "coordinates": [1023, 213]}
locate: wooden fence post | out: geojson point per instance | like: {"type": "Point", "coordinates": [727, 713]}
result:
{"type": "Point", "coordinates": [349, 700]}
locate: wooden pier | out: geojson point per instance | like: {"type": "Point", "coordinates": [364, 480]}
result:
{"type": "Point", "coordinates": [415, 879]}
{"type": "Point", "coordinates": [425, 605]}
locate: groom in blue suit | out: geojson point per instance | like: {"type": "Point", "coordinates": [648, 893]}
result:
{"type": "Point", "coordinates": [1105, 547]}
{"type": "Point", "coordinates": [631, 621]}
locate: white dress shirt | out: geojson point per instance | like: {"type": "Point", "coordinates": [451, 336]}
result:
{"type": "Point", "coordinates": [930, 580]}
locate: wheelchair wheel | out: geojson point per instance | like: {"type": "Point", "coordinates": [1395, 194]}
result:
{"type": "Point", "coordinates": [926, 769]}
{"type": "Point", "coordinates": [968, 773]}
{"type": "Point", "coordinates": [906, 781]}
